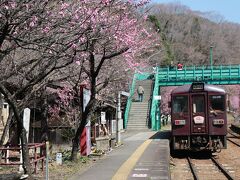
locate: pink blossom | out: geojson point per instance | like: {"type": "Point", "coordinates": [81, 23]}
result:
{"type": "Point", "coordinates": [12, 4]}
{"type": "Point", "coordinates": [74, 46]}
{"type": "Point", "coordinates": [61, 13]}
{"type": "Point", "coordinates": [46, 29]}
{"type": "Point", "coordinates": [77, 62]}
{"type": "Point", "coordinates": [33, 21]}
{"type": "Point", "coordinates": [106, 2]}
{"type": "Point", "coordinates": [64, 6]}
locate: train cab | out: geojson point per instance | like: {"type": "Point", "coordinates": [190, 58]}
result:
{"type": "Point", "coordinates": [198, 117]}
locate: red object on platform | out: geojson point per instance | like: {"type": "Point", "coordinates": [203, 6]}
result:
{"type": "Point", "coordinates": [85, 142]}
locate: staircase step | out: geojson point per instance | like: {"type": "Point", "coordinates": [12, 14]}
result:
{"type": "Point", "coordinates": [140, 105]}
{"type": "Point", "coordinates": [137, 125]}
{"type": "Point", "coordinates": [137, 119]}
{"type": "Point", "coordinates": [136, 112]}
{"type": "Point", "coordinates": [137, 128]}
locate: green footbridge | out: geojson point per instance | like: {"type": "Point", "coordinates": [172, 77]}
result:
{"type": "Point", "coordinates": [166, 76]}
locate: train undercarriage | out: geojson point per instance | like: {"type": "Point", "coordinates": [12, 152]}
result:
{"type": "Point", "coordinates": [199, 142]}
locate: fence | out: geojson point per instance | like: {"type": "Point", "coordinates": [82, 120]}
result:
{"type": "Point", "coordinates": [37, 152]}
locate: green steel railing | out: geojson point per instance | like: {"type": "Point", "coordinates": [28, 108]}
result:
{"type": "Point", "coordinates": [136, 77]}
{"type": "Point", "coordinates": [155, 125]}
{"type": "Point", "coordinates": [228, 74]}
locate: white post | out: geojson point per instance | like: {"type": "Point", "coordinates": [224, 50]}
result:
{"type": "Point", "coordinates": [7, 155]}
{"type": "Point", "coordinates": [26, 122]}
{"type": "Point", "coordinates": [118, 135]}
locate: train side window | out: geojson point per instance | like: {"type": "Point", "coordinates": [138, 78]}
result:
{"type": "Point", "coordinates": [217, 103]}
{"type": "Point", "coordinates": [180, 104]}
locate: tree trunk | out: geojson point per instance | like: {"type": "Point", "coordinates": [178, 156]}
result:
{"type": "Point", "coordinates": [6, 128]}
{"type": "Point", "coordinates": [44, 123]}
{"type": "Point", "coordinates": [76, 139]}
{"type": "Point", "coordinates": [23, 137]}
{"type": "Point", "coordinates": [88, 109]}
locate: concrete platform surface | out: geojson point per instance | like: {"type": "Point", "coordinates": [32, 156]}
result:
{"type": "Point", "coordinates": [143, 155]}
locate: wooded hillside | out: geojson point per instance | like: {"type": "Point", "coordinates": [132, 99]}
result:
{"type": "Point", "coordinates": [190, 35]}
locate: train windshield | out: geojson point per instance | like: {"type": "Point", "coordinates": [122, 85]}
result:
{"type": "Point", "coordinates": [198, 104]}
{"type": "Point", "coordinates": [180, 104]}
{"type": "Point", "coordinates": [217, 103]}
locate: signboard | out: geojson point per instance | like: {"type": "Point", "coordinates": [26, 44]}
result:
{"type": "Point", "coordinates": [26, 120]}
{"type": "Point", "coordinates": [85, 138]}
{"type": "Point", "coordinates": [113, 126]}
{"type": "Point", "coordinates": [125, 93]}
{"type": "Point", "coordinates": [157, 97]}
{"type": "Point", "coordinates": [86, 97]}
{"type": "Point", "coordinates": [103, 117]}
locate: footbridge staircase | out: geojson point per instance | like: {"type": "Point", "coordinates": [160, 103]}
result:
{"type": "Point", "coordinates": [167, 76]}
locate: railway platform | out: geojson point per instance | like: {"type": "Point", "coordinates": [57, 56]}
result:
{"type": "Point", "coordinates": [144, 155]}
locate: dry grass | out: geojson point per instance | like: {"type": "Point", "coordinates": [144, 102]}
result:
{"type": "Point", "coordinates": [57, 172]}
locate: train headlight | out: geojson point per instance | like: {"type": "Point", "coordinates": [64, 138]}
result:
{"type": "Point", "coordinates": [180, 122]}
{"type": "Point", "coordinates": [218, 121]}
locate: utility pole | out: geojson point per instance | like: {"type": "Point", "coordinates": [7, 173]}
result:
{"type": "Point", "coordinates": [119, 116]}
{"type": "Point", "coordinates": [211, 55]}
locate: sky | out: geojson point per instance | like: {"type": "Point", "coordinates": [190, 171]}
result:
{"type": "Point", "coordinates": [229, 9]}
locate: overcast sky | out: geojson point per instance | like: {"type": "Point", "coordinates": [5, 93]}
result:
{"type": "Point", "coordinates": [229, 9]}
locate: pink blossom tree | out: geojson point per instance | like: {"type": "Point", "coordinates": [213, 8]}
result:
{"type": "Point", "coordinates": [40, 39]}
{"type": "Point", "coordinates": [114, 32]}
{"type": "Point", "coordinates": [37, 39]}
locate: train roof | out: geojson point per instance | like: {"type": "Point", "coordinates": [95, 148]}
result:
{"type": "Point", "coordinates": [207, 87]}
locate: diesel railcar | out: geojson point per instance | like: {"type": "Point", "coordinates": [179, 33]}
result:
{"type": "Point", "coordinates": [198, 117]}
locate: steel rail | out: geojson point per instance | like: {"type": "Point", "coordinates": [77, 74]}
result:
{"type": "Point", "coordinates": [222, 169]}
{"type": "Point", "coordinates": [233, 142]}
{"type": "Point", "coordinates": [234, 135]}
{"type": "Point", "coordinates": [193, 171]}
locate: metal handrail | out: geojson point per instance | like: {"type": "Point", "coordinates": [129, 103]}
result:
{"type": "Point", "coordinates": [154, 101]}
{"type": "Point", "coordinates": [149, 108]}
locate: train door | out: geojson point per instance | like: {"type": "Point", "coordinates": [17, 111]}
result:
{"type": "Point", "coordinates": [198, 113]}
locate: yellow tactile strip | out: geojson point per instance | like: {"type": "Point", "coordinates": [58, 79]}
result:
{"type": "Point", "coordinates": [127, 166]}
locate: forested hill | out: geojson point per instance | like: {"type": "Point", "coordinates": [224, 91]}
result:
{"type": "Point", "coordinates": [190, 34]}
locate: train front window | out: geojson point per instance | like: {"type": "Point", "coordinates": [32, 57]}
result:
{"type": "Point", "coordinates": [198, 104]}
{"type": "Point", "coordinates": [180, 104]}
{"type": "Point", "coordinates": [217, 103]}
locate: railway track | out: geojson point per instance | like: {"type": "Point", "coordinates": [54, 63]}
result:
{"type": "Point", "coordinates": [233, 136]}
{"type": "Point", "coordinates": [199, 171]}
